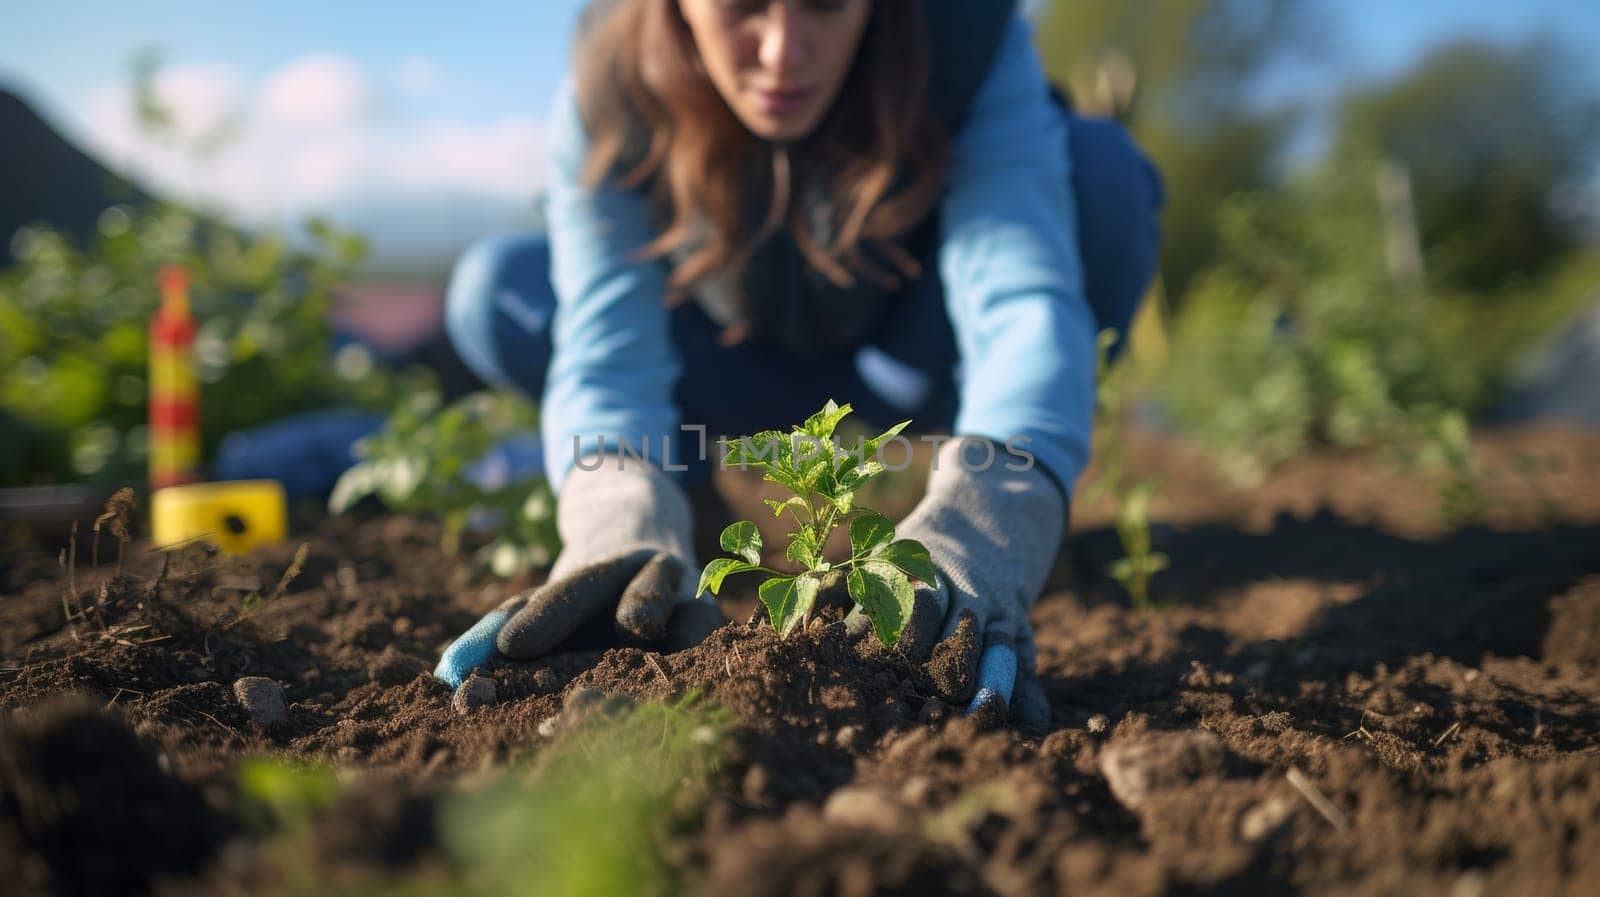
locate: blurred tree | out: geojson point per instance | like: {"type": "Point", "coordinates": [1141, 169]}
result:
{"type": "Point", "coordinates": [1185, 76]}
{"type": "Point", "coordinates": [1489, 134]}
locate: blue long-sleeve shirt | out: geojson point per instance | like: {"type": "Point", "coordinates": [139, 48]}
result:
{"type": "Point", "coordinates": [1012, 284]}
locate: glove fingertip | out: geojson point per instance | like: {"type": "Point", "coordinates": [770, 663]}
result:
{"type": "Point", "coordinates": [988, 709]}
{"type": "Point", "coordinates": [471, 650]}
{"type": "Point", "coordinates": [997, 677]}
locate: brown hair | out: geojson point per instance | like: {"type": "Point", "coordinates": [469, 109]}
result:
{"type": "Point", "coordinates": [877, 157]}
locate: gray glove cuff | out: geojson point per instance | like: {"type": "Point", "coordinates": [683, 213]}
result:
{"type": "Point", "coordinates": [624, 505]}
{"type": "Point", "coordinates": [992, 533]}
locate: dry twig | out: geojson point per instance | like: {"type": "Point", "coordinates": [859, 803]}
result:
{"type": "Point", "coordinates": [1316, 798]}
{"type": "Point", "coordinates": [1454, 727]}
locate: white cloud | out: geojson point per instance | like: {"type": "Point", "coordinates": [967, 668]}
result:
{"type": "Point", "coordinates": [319, 90]}
{"type": "Point", "coordinates": [308, 141]}
{"type": "Point", "coordinates": [492, 158]}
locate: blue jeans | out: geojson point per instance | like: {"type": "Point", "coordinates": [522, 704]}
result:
{"type": "Point", "coordinates": [500, 302]}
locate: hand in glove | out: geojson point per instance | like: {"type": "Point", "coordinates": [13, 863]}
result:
{"type": "Point", "coordinates": [626, 531]}
{"type": "Point", "coordinates": [992, 534]}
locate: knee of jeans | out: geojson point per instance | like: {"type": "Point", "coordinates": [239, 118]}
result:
{"type": "Point", "coordinates": [474, 297]}
{"type": "Point", "coordinates": [469, 299]}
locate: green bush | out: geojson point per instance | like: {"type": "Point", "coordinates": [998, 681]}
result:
{"type": "Point", "coordinates": [74, 326]}
{"type": "Point", "coordinates": [421, 462]}
{"type": "Point", "coordinates": [1300, 336]}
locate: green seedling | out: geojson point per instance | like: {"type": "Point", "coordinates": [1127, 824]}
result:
{"type": "Point", "coordinates": [1139, 564]}
{"type": "Point", "coordinates": [422, 461]}
{"type": "Point", "coordinates": [823, 479]}
{"type": "Point", "coordinates": [1132, 497]}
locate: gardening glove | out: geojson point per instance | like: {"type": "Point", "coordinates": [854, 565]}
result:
{"type": "Point", "coordinates": [992, 534]}
{"type": "Point", "coordinates": [626, 529]}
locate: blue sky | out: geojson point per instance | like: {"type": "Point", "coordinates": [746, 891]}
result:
{"type": "Point", "coordinates": [422, 123]}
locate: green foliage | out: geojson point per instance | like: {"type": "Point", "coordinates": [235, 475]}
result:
{"type": "Point", "coordinates": [823, 478]}
{"type": "Point", "coordinates": [74, 337]}
{"type": "Point", "coordinates": [1489, 134]}
{"type": "Point", "coordinates": [276, 795]}
{"type": "Point", "coordinates": [593, 814]}
{"type": "Point", "coordinates": [421, 461]}
{"type": "Point", "coordinates": [1301, 336]}
{"type": "Point", "coordinates": [1131, 496]}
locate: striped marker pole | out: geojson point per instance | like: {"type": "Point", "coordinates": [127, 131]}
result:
{"type": "Point", "coordinates": [174, 389]}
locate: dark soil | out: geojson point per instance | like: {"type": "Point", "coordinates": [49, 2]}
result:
{"type": "Point", "coordinates": [1342, 695]}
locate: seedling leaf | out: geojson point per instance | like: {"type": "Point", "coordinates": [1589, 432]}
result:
{"type": "Point", "coordinates": [743, 539]}
{"type": "Point", "coordinates": [869, 531]}
{"type": "Point", "coordinates": [788, 599]}
{"type": "Point", "coordinates": [886, 595]}
{"type": "Point", "coordinates": [871, 446]}
{"type": "Point", "coordinates": [822, 424]}
{"type": "Point", "coordinates": [802, 548]}
{"type": "Point", "coordinates": [778, 504]}
{"type": "Point", "coordinates": [718, 570]}
{"type": "Point", "coordinates": [910, 557]}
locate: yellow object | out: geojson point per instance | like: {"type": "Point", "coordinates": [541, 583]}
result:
{"type": "Point", "coordinates": [235, 516]}
{"type": "Point", "coordinates": [172, 374]}
{"type": "Point", "coordinates": [170, 453]}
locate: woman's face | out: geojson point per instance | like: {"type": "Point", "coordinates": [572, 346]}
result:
{"type": "Point", "coordinates": [778, 64]}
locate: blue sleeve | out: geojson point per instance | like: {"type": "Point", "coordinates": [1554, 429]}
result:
{"type": "Point", "coordinates": [1013, 281]}
{"type": "Point", "coordinates": [613, 366]}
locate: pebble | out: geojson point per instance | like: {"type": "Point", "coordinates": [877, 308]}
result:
{"type": "Point", "coordinates": [916, 790]}
{"type": "Point", "coordinates": [865, 806]}
{"type": "Point", "coordinates": [847, 737]}
{"type": "Point", "coordinates": [549, 726]}
{"type": "Point", "coordinates": [754, 784]}
{"type": "Point", "coordinates": [1135, 770]}
{"type": "Point", "coordinates": [475, 692]}
{"type": "Point", "coordinates": [262, 700]}
{"type": "Point", "coordinates": [1098, 723]}
{"type": "Point", "coordinates": [1264, 818]}
{"type": "Point", "coordinates": [1472, 883]}
{"type": "Point", "coordinates": [545, 681]}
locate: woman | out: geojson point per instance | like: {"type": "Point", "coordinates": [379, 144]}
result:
{"type": "Point", "coordinates": [758, 206]}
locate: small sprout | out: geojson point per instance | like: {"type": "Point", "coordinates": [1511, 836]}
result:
{"type": "Point", "coordinates": [254, 601]}
{"type": "Point", "coordinates": [1132, 497]}
{"type": "Point", "coordinates": [823, 478]}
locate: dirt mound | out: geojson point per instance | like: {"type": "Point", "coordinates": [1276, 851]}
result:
{"type": "Point", "coordinates": [1337, 697]}
{"type": "Point", "coordinates": [85, 808]}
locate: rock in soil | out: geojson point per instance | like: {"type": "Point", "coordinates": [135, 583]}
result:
{"type": "Point", "coordinates": [866, 806]}
{"type": "Point", "coordinates": [262, 700]}
{"type": "Point", "coordinates": [472, 694]}
{"type": "Point", "coordinates": [1135, 770]}
{"type": "Point", "coordinates": [1264, 818]}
